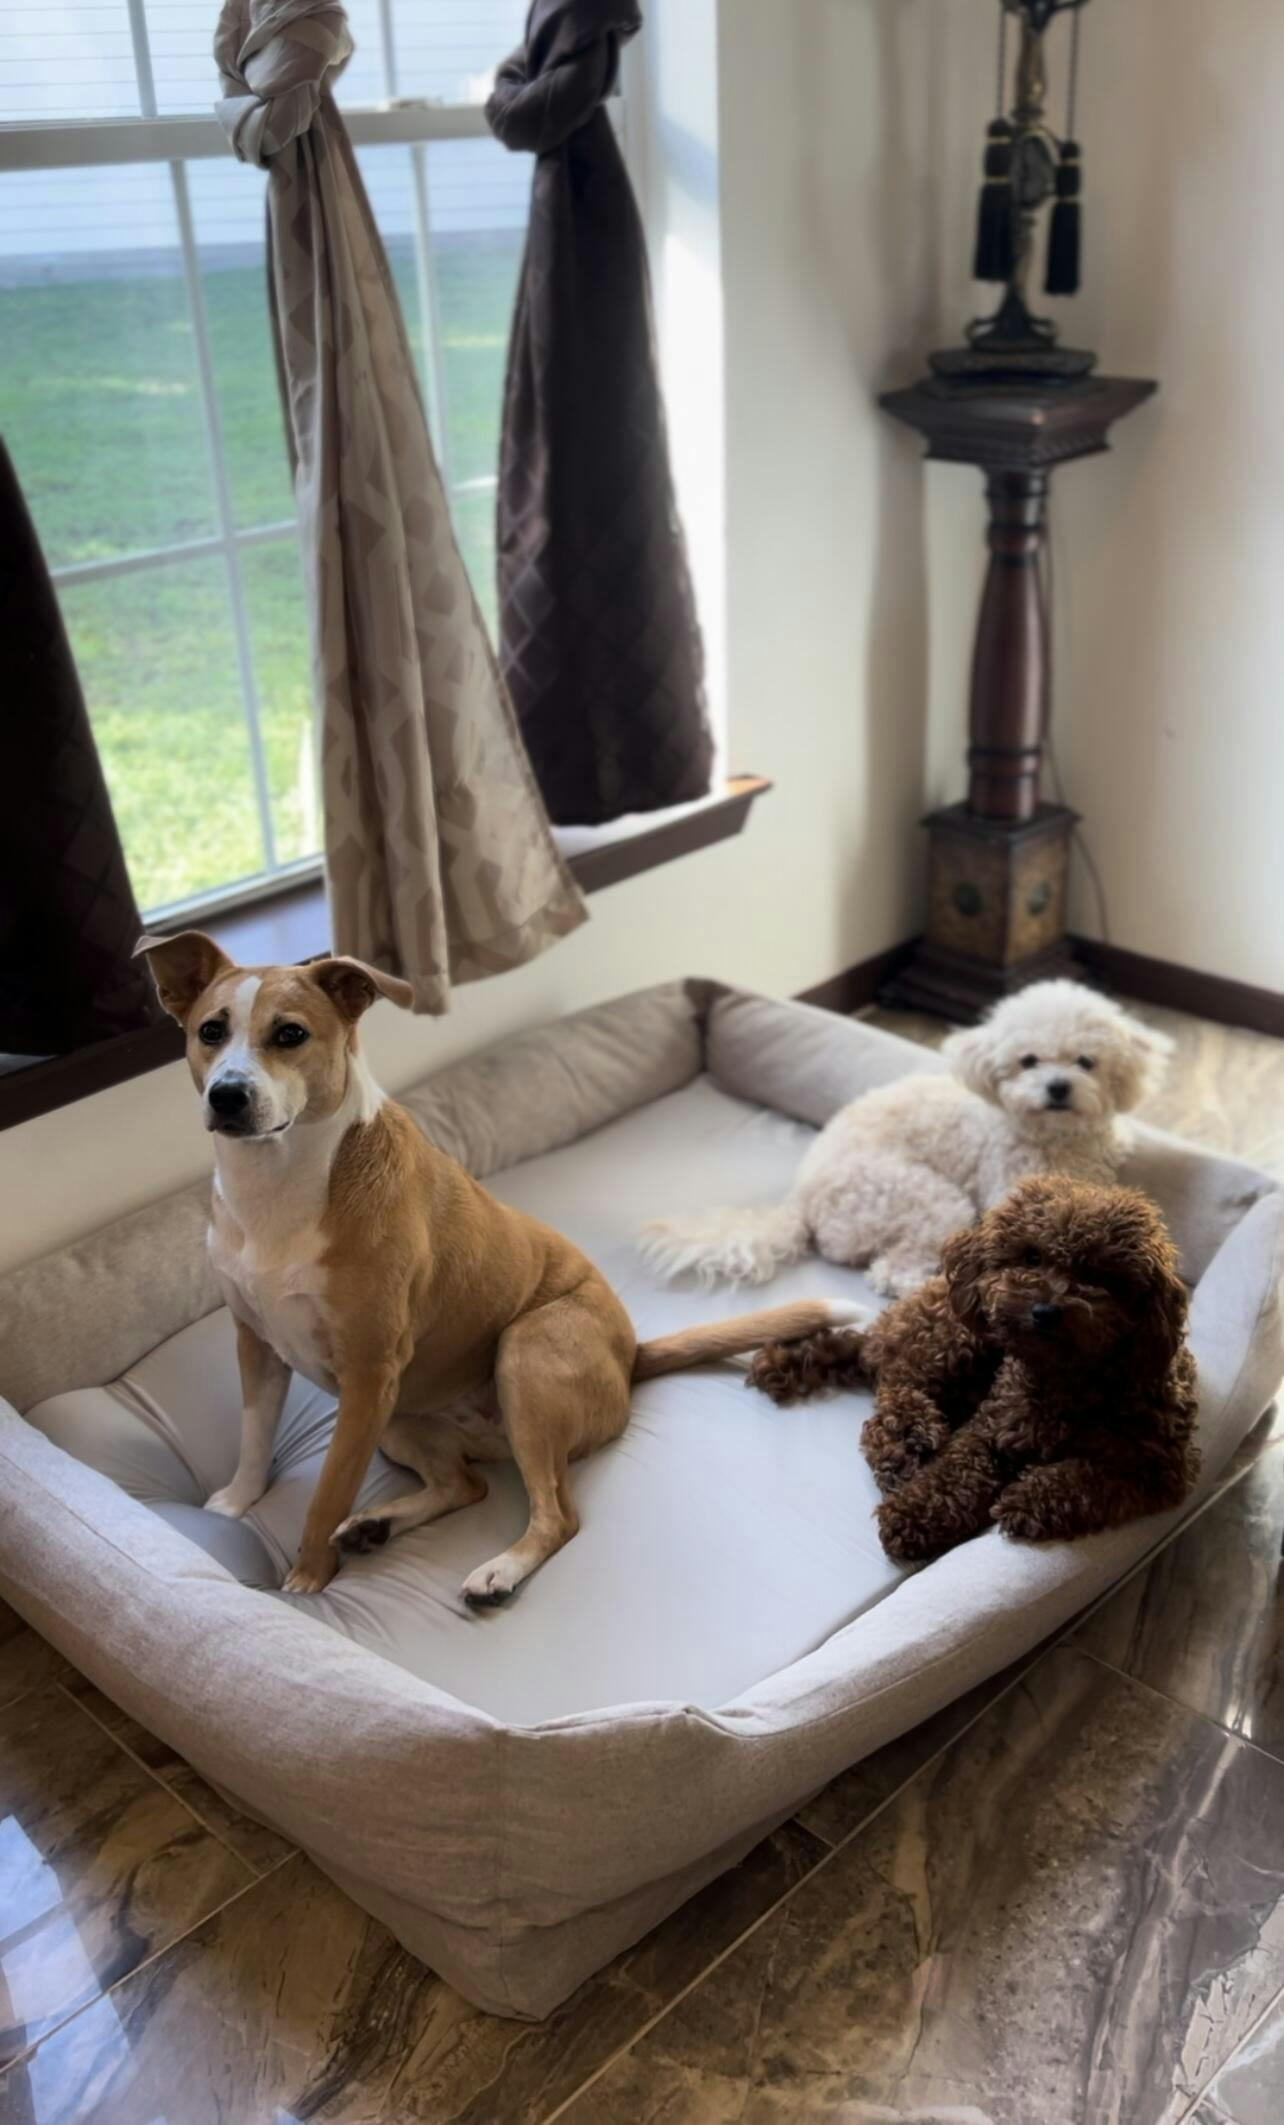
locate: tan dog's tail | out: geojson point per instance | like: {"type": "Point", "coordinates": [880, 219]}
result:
{"type": "Point", "coordinates": [746, 1331]}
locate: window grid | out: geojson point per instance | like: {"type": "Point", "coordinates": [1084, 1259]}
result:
{"type": "Point", "coordinates": [151, 137]}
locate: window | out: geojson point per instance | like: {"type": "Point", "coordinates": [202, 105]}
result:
{"type": "Point", "coordinates": [138, 391]}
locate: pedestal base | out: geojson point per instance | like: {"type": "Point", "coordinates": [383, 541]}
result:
{"type": "Point", "coordinates": [963, 990]}
{"type": "Point", "coordinates": [996, 911]}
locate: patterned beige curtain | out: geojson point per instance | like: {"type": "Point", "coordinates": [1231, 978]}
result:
{"type": "Point", "coordinates": [439, 858]}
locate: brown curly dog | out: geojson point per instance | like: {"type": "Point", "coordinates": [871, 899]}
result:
{"type": "Point", "coordinates": [1040, 1381]}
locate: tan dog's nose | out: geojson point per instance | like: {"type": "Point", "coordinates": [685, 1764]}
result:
{"type": "Point", "coordinates": [229, 1098]}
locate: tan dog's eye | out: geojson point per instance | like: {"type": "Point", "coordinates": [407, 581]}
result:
{"type": "Point", "coordinates": [1032, 1258]}
{"type": "Point", "coordinates": [211, 1033]}
{"type": "Point", "coordinates": [1029, 1062]}
{"type": "Point", "coordinates": [1086, 1062]}
{"type": "Point", "coordinates": [289, 1036]}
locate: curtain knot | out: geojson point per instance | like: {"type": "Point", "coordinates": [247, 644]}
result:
{"type": "Point", "coordinates": [552, 84]}
{"type": "Point", "coordinates": [276, 60]}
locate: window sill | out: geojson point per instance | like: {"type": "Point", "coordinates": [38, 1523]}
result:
{"type": "Point", "coordinates": [291, 925]}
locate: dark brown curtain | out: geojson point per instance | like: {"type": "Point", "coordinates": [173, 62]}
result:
{"type": "Point", "coordinates": [599, 639]}
{"type": "Point", "coordinates": [68, 919]}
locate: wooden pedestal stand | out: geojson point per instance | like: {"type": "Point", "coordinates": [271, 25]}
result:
{"type": "Point", "coordinates": [998, 861]}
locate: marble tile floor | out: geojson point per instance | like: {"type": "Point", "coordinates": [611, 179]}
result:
{"type": "Point", "coordinates": [1061, 1902]}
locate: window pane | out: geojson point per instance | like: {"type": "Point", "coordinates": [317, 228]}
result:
{"type": "Point", "coordinates": [477, 201]}
{"type": "Point", "coordinates": [228, 213]}
{"type": "Point", "coordinates": [157, 661]}
{"type": "Point", "coordinates": [180, 37]}
{"type": "Point", "coordinates": [73, 60]}
{"type": "Point", "coordinates": [279, 637]}
{"type": "Point", "coordinates": [450, 48]}
{"type": "Point", "coordinates": [99, 393]}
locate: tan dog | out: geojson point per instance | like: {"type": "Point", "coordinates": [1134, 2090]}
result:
{"type": "Point", "coordinates": [453, 1329]}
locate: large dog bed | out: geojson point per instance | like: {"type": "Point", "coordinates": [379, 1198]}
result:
{"type": "Point", "coordinates": [519, 1794]}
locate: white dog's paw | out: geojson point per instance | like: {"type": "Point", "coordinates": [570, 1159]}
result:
{"type": "Point", "coordinates": [232, 1500]}
{"type": "Point", "coordinates": [492, 1583]}
{"type": "Point", "coordinates": [896, 1275]}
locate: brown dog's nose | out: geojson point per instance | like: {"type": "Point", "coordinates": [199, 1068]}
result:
{"type": "Point", "coordinates": [1045, 1315]}
{"type": "Point", "coordinates": [230, 1097]}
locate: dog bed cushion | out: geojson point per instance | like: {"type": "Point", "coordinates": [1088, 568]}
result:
{"type": "Point", "coordinates": [521, 1793]}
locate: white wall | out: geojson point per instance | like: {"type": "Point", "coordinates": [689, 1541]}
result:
{"type": "Point", "coordinates": [1169, 553]}
{"type": "Point", "coordinates": [816, 199]}
{"type": "Point", "coordinates": [829, 221]}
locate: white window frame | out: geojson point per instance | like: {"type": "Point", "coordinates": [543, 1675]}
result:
{"type": "Point", "coordinates": [151, 138]}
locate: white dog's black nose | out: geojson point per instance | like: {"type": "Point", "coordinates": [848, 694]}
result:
{"type": "Point", "coordinates": [1058, 1091]}
{"type": "Point", "coordinates": [229, 1098]}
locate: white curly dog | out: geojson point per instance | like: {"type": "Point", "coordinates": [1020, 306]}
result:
{"type": "Point", "coordinates": [1036, 1088]}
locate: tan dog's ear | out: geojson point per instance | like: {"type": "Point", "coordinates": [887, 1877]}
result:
{"type": "Point", "coordinates": [183, 967]}
{"type": "Point", "coordinates": [963, 1266]}
{"type": "Point", "coordinates": [352, 986]}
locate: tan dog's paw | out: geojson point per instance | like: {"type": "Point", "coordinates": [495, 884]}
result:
{"type": "Point", "coordinates": [314, 1576]}
{"type": "Point", "coordinates": [362, 1533]}
{"type": "Point", "coordinates": [491, 1583]}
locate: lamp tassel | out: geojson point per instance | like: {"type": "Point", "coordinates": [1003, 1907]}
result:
{"type": "Point", "coordinates": [1064, 231]}
{"type": "Point", "coordinates": [995, 251]}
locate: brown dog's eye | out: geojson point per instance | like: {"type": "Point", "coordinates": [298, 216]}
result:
{"type": "Point", "coordinates": [1032, 1258]}
{"type": "Point", "coordinates": [1086, 1062]}
{"type": "Point", "coordinates": [1029, 1062]}
{"type": "Point", "coordinates": [289, 1036]}
{"type": "Point", "coordinates": [211, 1032]}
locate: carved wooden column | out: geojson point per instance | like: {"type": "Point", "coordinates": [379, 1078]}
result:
{"type": "Point", "coordinates": [998, 861]}
{"type": "Point", "coordinates": [1009, 698]}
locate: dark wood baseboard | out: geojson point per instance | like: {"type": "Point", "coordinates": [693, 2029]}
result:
{"type": "Point", "coordinates": [1161, 981]}
{"type": "Point", "coordinates": [859, 985]}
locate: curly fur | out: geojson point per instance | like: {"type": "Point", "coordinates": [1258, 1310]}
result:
{"type": "Point", "coordinates": [1041, 1380]}
{"type": "Point", "coordinates": [900, 1169]}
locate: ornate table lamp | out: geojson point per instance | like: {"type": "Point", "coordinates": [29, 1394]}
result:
{"type": "Point", "coordinates": [1026, 165]}
{"type": "Point", "coordinates": [1014, 403]}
